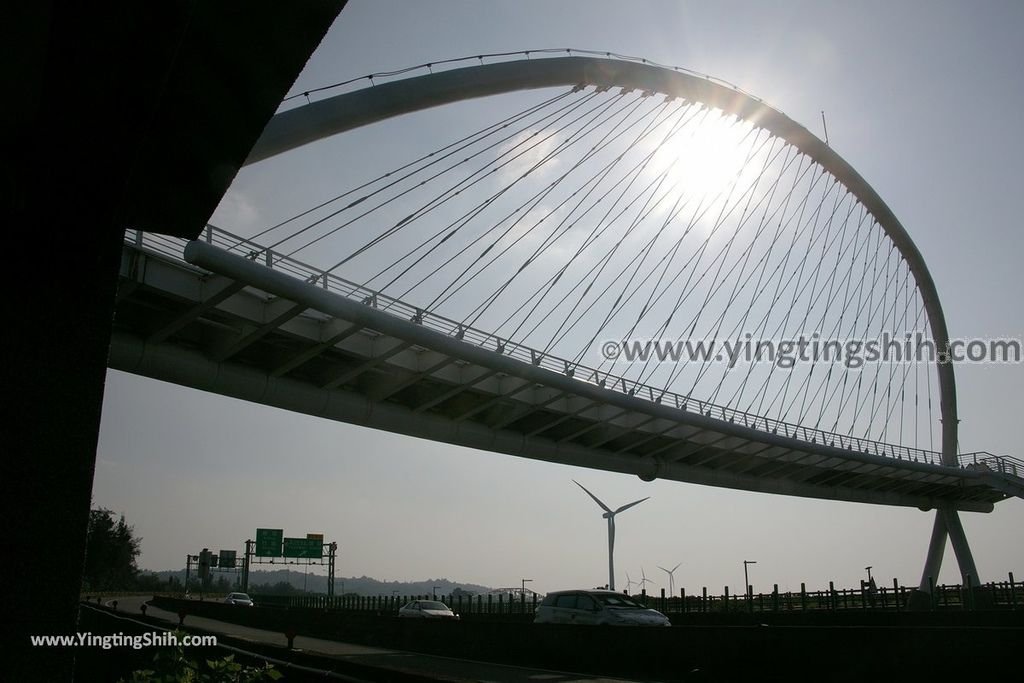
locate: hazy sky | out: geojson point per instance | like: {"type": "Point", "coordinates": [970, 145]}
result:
{"type": "Point", "coordinates": [922, 98]}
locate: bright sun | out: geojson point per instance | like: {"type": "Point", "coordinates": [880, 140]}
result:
{"type": "Point", "coordinates": [705, 158]}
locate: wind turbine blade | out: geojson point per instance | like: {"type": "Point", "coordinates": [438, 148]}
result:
{"type": "Point", "coordinates": [664, 570]}
{"type": "Point", "coordinates": [624, 507]}
{"type": "Point", "coordinates": [677, 566]}
{"type": "Point", "coordinates": [596, 499]}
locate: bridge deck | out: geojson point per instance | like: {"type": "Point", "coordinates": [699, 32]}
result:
{"type": "Point", "coordinates": [263, 335]}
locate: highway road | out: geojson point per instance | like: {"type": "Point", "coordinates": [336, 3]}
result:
{"type": "Point", "coordinates": [397, 661]}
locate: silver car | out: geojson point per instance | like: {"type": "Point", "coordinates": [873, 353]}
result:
{"type": "Point", "coordinates": [596, 608]}
{"type": "Point", "coordinates": [426, 609]}
{"type": "Point", "coordinates": [238, 599]}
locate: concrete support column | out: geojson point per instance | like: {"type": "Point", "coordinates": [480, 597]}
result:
{"type": "Point", "coordinates": [921, 598]}
{"type": "Point", "coordinates": [947, 525]}
{"type": "Point", "coordinates": [55, 365]}
{"type": "Point", "coordinates": [62, 251]}
{"type": "Point", "coordinates": [965, 560]}
{"type": "Point", "coordinates": [130, 115]}
{"type": "Point", "coordinates": [963, 552]}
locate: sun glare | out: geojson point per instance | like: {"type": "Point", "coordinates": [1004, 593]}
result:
{"type": "Point", "coordinates": [707, 159]}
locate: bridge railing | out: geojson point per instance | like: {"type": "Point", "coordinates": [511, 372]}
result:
{"type": "Point", "coordinates": [174, 247]}
{"type": "Point", "coordinates": [1004, 464]}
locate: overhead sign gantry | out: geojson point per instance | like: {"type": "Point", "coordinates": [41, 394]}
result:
{"type": "Point", "coordinates": [272, 547]}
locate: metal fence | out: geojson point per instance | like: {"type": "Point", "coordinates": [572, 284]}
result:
{"type": "Point", "coordinates": [994, 595]}
{"type": "Point", "coordinates": [493, 604]}
{"type": "Point", "coordinates": [1002, 595]}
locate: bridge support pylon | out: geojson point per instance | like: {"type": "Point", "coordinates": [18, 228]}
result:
{"type": "Point", "coordinates": [947, 525]}
{"type": "Point", "coordinates": [947, 521]}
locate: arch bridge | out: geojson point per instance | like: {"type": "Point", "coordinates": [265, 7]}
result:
{"type": "Point", "coordinates": [475, 285]}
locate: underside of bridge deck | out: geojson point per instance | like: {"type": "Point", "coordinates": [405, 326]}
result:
{"type": "Point", "coordinates": [182, 324]}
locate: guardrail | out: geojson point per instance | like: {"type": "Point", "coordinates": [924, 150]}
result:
{"type": "Point", "coordinates": [173, 248]}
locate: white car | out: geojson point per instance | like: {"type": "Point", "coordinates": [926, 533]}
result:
{"type": "Point", "coordinates": [238, 599]}
{"type": "Point", "coordinates": [426, 609]}
{"type": "Point", "coordinates": [596, 608]}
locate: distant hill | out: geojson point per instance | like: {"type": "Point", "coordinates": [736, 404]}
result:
{"type": "Point", "coordinates": [267, 581]}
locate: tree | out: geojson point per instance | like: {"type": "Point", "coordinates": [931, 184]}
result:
{"type": "Point", "coordinates": [110, 553]}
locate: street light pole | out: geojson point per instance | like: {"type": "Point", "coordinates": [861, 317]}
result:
{"type": "Point", "coordinates": [746, 578]}
{"type": "Point", "coordinates": [868, 569]}
{"type": "Point", "coordinates": [525, 581]}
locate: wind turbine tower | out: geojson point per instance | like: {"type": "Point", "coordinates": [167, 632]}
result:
{"type": "Point", "coordinates": [609, 514]}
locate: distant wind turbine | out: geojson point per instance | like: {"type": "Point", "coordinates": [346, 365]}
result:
{"type": "Point", "coordinates": [610, 516]}
{"type": "Point", "coordinates": [629, 583]}
{"type": "Point", "coordinates": [643, 580]}
{"type": "Point", "coordinates": [671, 578]}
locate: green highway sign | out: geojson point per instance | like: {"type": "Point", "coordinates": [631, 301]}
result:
{"type": "Point", "coordinates": [227, 559]}
{"type": "Point", "coordinates": [268, 542]}
{"type": "Point", "coordinates": [304, 547]}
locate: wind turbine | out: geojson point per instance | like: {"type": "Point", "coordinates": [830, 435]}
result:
{"type": "Point", "coordinates": [629, 583]}
{"type": "Point", "coordinates": [610, 516]}
{"type": "Point", "coordinates": [643, 580]}
{"type": "Point", "coordinates": [671, 578]}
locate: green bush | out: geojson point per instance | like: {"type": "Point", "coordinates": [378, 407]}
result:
{"type": "Point", "coordinates": [172, 666]}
